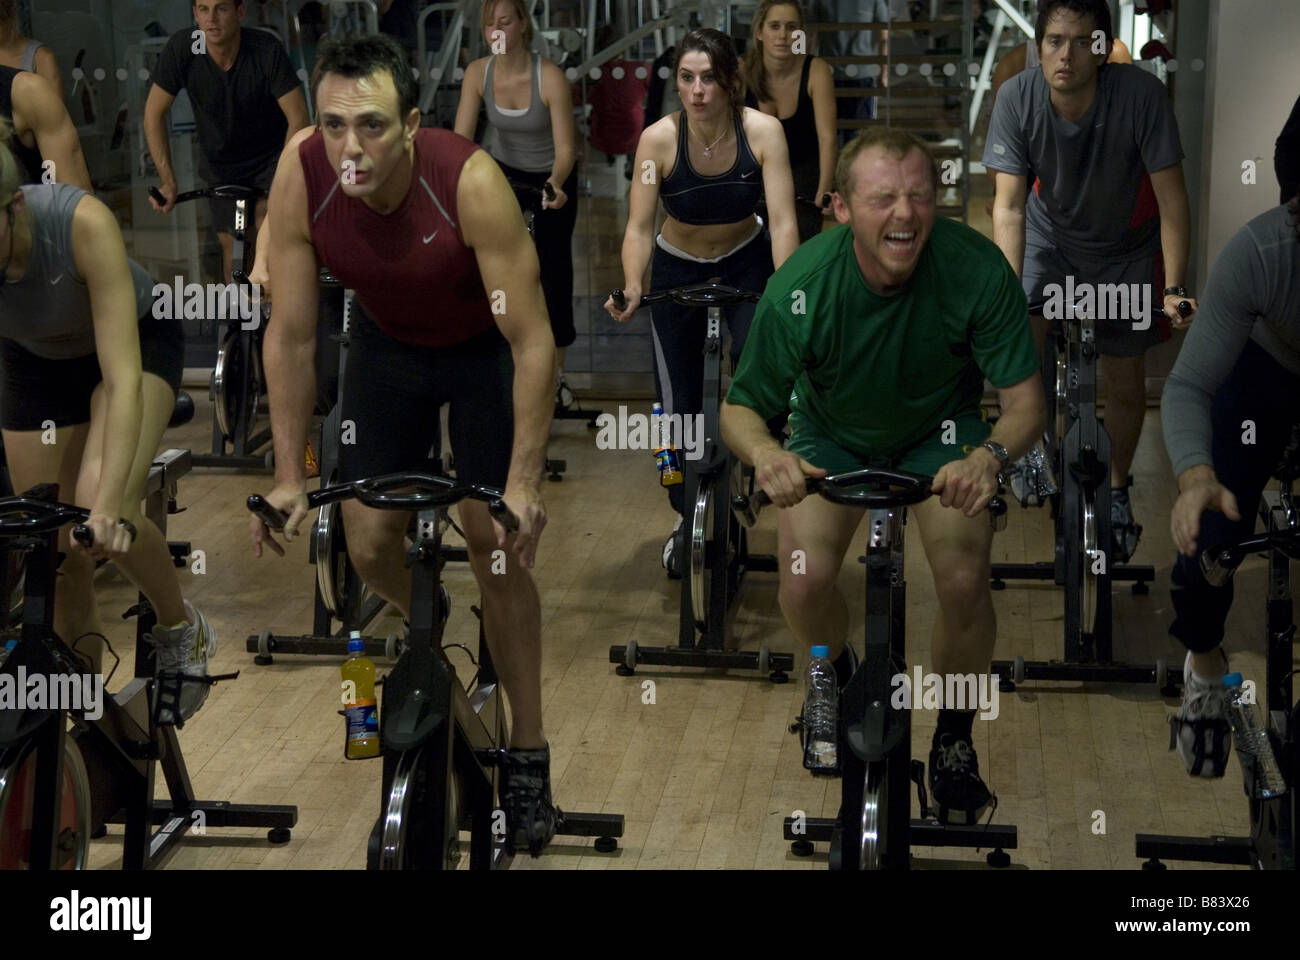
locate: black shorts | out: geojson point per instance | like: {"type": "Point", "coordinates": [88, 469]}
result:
{"type": "Point", "coordinates": [37, 389]}
{"type": "Point", "coordinates": [393, 391]}
{"type": "Point", "coordinates": [223, 208]}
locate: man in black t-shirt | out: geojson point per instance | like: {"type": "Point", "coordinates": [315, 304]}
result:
{"type": "Point", "coordinates": [247, 104]}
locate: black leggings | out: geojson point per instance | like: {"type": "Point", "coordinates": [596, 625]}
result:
{"type": "Point", "coordinates": [678, 332]}
{"type": "Point", "coordinates": [553, 237]}
{"type": "Point", "coordinates": [1260, 390]}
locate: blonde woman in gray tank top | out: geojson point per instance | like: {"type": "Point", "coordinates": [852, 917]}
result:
{"type": "Point", "coordinates": [531, 136]}
{"type": "Point", "coordinates": [23, 53]}
{"type": "Point", "coordinates": [90, 376]}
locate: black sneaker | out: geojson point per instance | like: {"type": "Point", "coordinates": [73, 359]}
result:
{"type": "Point", "coordinates": [960, 796]}
{"type": "Point", "coordinates": [674, 555]}
{"type": "Point", "coordinates": [531, 817]}
{"type": "Point", "coordinates": [1124, 533]}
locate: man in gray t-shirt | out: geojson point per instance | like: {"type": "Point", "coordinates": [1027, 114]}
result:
{"type": "Point", "coordinates": [1229, 408]}
{"type": "Point", "coordinates": [1099, 145]}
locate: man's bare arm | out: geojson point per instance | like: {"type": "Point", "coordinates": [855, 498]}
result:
{"type": "Point", "coordinates": [289, 344]}
{"type": "Point", "coordinates": [155, 133]}
{"type": "Point", "coordinates": [1009, 219]}
{"type": "Point", "coordinates": [492, 225]}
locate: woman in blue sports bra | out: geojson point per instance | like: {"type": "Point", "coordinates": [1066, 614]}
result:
{"type": "Point", "coordinates": [710, 164]}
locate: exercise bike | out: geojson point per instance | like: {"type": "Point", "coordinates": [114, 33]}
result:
{"type": "Point", "coordinates": [1273, 820]}
{"type": "Point", "coordinates": [442, 746]}
{"type": "Point", "coordinates": [718, 547]}
{"type": "Point", "coordinates": [342, 602]}
{"type": "Point", "coordinates": [56, 785]}
{"type": "Point", "coordinates": [237, 387]}
{"type": "Point", "coordinates": [875, 830]}
{"type": "Point", "coordinates": [1078, 450]}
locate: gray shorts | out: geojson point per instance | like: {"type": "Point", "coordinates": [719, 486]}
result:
{"type": "Point", "coordinates": [1116, 336]}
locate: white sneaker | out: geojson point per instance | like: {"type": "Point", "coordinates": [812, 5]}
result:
{"type": "Point", "coordinates": [185, 650]}
{"type": "Point", "coordinates": [1200, 730]}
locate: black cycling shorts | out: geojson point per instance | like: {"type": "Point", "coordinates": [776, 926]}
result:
{"type": "Point", "coordinates": [37, 389]}
{"type": "Point", "coordinates": [393, 392]}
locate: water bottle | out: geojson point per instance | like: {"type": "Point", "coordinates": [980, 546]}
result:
{"type": "Point", "coordinates": [1253, 746]}
{"type": "Point", "coordinates": [670, 469]}
{"type": "Point", "coordinates": [359, 701]}
{"type": "Point", "coordinates": [821, 712]}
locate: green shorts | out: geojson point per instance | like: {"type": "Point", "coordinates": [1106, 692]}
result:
{"type": "Point", "coordinates": [951, 440]}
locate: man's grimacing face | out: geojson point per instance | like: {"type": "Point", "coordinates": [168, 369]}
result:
{"type": "Point", "coordinates": [891, 211]}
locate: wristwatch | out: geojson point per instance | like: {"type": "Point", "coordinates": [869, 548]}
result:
{"type": "Point", "coordinates": [999, 451]}
{"type": "Point", "coordinates": [1175, 291]}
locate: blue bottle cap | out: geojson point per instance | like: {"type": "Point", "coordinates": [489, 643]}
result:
{"type": "Point", "coordinates": [356, 645]}
{"type": "Point", "coordinates": [1232, 680]}
{"type": "Point", "coordinates": [821, 651]}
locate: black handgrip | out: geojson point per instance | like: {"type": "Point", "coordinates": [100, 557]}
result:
{"type": "Point", "coordinates": [503, 515]}
{"type": "Point", "coordinates": [157, 195]}
{"type": "Point", "coordinates": [826, 200]}
{"type": "Point", "coordinates": [1184, 308]}
{"type": "Point", "coordinates": [272, 517]}
{"type": "Point", "coordinates": [620, 301]}
{"type": "Point", "coordinates": [83, 535]}
{"type": "Point", "coordinates": [548, 190]}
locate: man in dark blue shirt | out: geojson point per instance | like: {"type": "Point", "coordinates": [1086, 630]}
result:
{"type": "Point", "coordinates": [247, 104]}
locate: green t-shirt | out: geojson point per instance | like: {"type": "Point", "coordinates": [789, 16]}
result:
{"type": "Point", "coordinates": [878, 374]}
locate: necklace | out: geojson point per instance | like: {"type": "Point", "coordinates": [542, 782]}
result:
{"type": "Point", "coordinates": [708, 148]}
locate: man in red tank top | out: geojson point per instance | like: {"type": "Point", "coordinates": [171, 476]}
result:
{"type": "Point", "coordinates": [423, 227]}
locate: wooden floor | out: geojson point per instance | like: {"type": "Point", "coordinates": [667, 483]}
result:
{"type": "Point", "coordinates": [705, 774]}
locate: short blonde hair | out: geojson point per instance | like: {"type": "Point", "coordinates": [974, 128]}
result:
{"type": "Point", "coordinates": [897, 142]}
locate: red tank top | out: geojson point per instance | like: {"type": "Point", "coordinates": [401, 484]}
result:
{"type": "Point", "coordinates": [409, 268]}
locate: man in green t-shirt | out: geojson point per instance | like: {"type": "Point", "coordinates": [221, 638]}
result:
{"type": "Point", "coordinates": [878, 335]}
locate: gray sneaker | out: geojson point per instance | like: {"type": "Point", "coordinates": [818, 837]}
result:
{"type": "Point", "coordinates": [1031, 479]}
{"type": "Point", "coordinates": [184, 650]}
{"type": "Point", "coordinates": [1200, 729]}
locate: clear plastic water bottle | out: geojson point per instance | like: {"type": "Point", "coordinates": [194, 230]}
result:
{"type": "Point", "coordinates": [821, 712]}
{"type": "Point", "coordinates": [1251, 737]}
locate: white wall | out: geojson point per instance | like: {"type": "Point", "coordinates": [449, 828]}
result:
{"type": "Point", "coordinates": [1253, 81]}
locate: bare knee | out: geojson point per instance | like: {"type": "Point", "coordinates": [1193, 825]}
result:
{"type": "Point", "coordinates": [371, 547]}
{"type": "Point", "coordinates": [807, 582]}
{"type": "Point", "coordinates": [962, 584]}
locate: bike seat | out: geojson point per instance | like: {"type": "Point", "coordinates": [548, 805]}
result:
{"type": "Point", "coordinates": [235, 191]}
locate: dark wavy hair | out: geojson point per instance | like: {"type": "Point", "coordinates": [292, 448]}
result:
{"type": "Point", "coordinates": [355, 56]}
{"type": "Point", "coordinates": [722, 57]}
{"type": "Point", "coordinates": [1099, 10]}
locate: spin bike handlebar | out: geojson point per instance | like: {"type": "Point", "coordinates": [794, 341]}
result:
{"type": "Point", "coordinates": [232, 191]}
{"type": "Point", "coordinates": [546, 191]}
{"type": "Point", "coordinates": [1220, 563]}
{"type": "Point", "coordinates": [711, 293]}
{"type": "Point", "coordinates": [819, 207]}
{"type": "Point", "coordinates": [872, 487]}
{"type": "Point", "coordinates": [24, 516]}
{"type": "Point", "coordinates": [431, 490]}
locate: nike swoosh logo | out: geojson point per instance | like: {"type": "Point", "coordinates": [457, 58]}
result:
{"type": "Point", "coordinates": [56, 279]}
{"type": "Point", "coordinates": [430, 236]}
{"type": "Point", "coordinates": [748, 173]}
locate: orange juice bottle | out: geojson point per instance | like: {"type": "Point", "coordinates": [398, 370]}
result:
{"type": "Point", "coordinates": [359, 701]}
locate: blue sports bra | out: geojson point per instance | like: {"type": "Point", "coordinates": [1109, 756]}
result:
{"type": "Point", "coordinates": [726, 198]}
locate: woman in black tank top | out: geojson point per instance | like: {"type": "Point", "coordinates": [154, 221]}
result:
{"type": "Point", "coordinates": [707, 163]}
{"type": "Point", "coordinates": [778, 72]}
